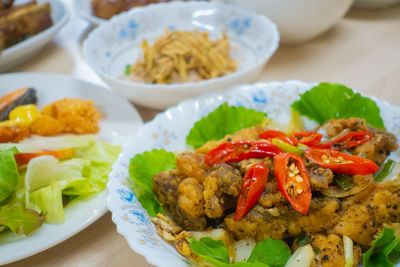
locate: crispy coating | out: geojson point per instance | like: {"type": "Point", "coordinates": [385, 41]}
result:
{"type": "Point", "coordinates": [78, 116]}
{"type": "Point", "coordinates": [46, 126]}
{"type": "Point", "coordinates": [13, 134]}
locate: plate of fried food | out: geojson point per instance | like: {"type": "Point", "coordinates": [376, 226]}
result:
{"type": "Point", "coordinates": [268, 174]}
{"type": "Point", "coordinates": [25, 27]}
{"type": "Point", "coordinates": [163, 53]}
{"type": "Point", "coordinates": [58, 139]}
{"type": "Point", "coordinates": [99, 11]}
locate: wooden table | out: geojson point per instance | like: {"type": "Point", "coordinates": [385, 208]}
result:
{"type": "Point", "coordinates": [362, 51]}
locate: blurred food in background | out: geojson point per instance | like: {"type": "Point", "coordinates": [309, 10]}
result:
{"type": "Point", "coordinates": [19, 22]}
{"type": "Point", "coordinates": [182, 56]}
{"type": "Point", "coordinates": [108, 8]}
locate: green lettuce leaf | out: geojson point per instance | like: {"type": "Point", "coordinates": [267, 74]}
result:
{"type": "Point", "coordinates": [274, 253]}
{"type": "Point", "coordinates": [8, 173]}
{"type": "Point", "coordinates": [385, 250]}
{"type": "Point", "coordinates": [266, 253]}
{"type": "Point", "coordinates": [19, 219]}
{"type": "Point", "coordinates": [222, 121]}
{"type": "Point", "coordinates": [142, 169]}
{"type": "Point", "coordinates": [48, 179]}
{"type": "Point", "coordinates": [334, 101]}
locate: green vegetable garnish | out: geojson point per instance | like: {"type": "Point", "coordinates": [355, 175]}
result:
{"type": "Point", "coordinates": [273, 253]}
{"type": "Point", "coordinates": [334, 101]}
{"type": "Point", "coordinates": [287, 147]}
{"type": "Point", "coordinates": [8, 173]}
{"type": "Point", "coordinates": [128, 70]}
{"type": "Point", "coordinates": [343, 182]}
{"type": "Point", "coordinates": [19, 219]}
{"type": "Point", "coordinates": [142, 169]}
{"type": "Point", "coordinates": [385, 250]}
{"type": "Point", "coordinates": [303, 239]}
{"type": "Point", "coordinates": [386, 170]}
{"type": "Point", "coordinates": [222, 121]}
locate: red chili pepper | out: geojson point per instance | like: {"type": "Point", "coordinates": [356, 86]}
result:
{"type": "Point", "coordinates": [252, 187]}
{"type": "Point", "coordinates": [24, 158]}
{"type": "Point", "coordinates": [340, 162]}
{"type": "Point", "coordinates": [240, 150]}
{"type": "Point", "coordinates": [307, 138]}
{"type": "Point", "coordinates": [269, 134]}
{"type": "Point", "coordinates": [293, 182]}
{"type": "Point", "coordinates": [348, 140]}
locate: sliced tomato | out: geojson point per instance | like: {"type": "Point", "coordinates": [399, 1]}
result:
{"type": "Point", "coordinates": [270, 134]}
{"type": "Point", "coordinates": [293, 182]}
{"type": "Point", "coordinates": [240, 150]}
{"type": "Point", "coordinates": [252, 187]}
{"type": "Point", "coordinates": [341, 162]}
{"type": "Point", "coordinates": [307, 138]}
{"type": "Point", "coordinates": [24, 158]}
{"type": "Point", "coordinates": [349, 140]}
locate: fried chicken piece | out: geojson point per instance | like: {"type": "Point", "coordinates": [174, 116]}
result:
{"type": "Point", "coordinates": [77, 116]}
{"type": "Point", "coordinates": [46, 126]}
{"type": "Point", "coordinates": [13, 134]}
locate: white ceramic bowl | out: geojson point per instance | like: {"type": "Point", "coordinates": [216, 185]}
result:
{"type": "Point", "coordinates": [22, 51]}
{"type": "Point", "coordinates": [84, 9]}
{"type": "Point", "coordinates": [169, 130]}
{"type": "Point", "coordinates": [114, 44]}
{"type": "Point", "coordinates": [299, 20]}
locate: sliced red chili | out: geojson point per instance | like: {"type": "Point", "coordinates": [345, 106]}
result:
{"type": "Point", "coordinates": [293, 182]}
{"type": "Point", "coordinates": [252, 187]}
{"type": "Point", "coordinates": [24, 158]}
{"type": "Point", "coordinates": [269, 134]}
{"type": "Point", "coordinates": [307, 138]}
{"type": "Point", "coordinates": [341, 162]}
{"type": "Point", "coordinates": [349, 140]}
{"type": "Point", "coordinates": [240, 150]}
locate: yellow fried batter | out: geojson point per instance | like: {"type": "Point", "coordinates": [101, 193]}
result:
{"type": "Point", "coordinates": [76, 115]}
{"type": "Point", "coordinates": [46, 126]}
{"type": "Point", "coordinates": [13, 134]}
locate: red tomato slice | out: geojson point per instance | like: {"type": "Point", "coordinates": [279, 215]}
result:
{"type": "Point", "coordinates": [349, 140]}
{"type": "Point", "coordinates": [341, 162]}
{"type": "Point", "coordinates": [293, 182]}
{"type": "Point", "coordinates": [240, 150]}
{"type": "Point", "coordinates": [307, 138]}
{"type": "Point", "coordinates": [270, 134]}
{"type": "Point", "coordinates": [24, 158]}
{"type": "Point", "coordinates": [252, 187]}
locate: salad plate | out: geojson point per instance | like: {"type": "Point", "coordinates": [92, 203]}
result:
{"type": "Point", "coordinates": [169, 131]}
{"type": "Point", "coordinates": [120, 121]}
{"type": "Point", "coordinates": [20, 52]}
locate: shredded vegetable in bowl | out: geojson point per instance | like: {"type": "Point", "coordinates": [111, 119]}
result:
{"type": "Point", "coordinates": [182, 56]}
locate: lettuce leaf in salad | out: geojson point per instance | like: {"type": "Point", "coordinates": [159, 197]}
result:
{"type": "Point", "coordinates": [9, 174]}
{"type": "Point", "coordinates": [19, 219]}
{"type": "Point", "coordinates": [48, 179]}
{"type": "Point", "coordinates": [385, 251]}
{"type": "Point", "coordinates": [141, 171]}
{"type": "Point", "coordinates": [334, 101]}
{"type": "Point", "coordinates": [222, 121]}
{"type": "Point", "coordinates": [273, 253]}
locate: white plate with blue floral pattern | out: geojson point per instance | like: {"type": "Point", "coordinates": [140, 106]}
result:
{"type": "Point", "coordinates": [169, 130]}
{"type": "Point", "coordinates": [116, 43]}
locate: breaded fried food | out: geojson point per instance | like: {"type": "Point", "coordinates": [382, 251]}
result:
{"type": "Point", "coordinates": [13, 134]}
{"type": "Point", "coordinates": [46, 126]}
{"type": "Point", "coordinates": [77, 116]}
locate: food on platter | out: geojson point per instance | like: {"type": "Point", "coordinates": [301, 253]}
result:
{"type": "Point", "coordinates": [48, 159]}
{"type": "Point", "coordinates": [18, 23]}
{"type": "Point", "coordinates": [108, 8]}
{"type": "Point", "coordinates": [182, 56]}
{"type": "Point", "coordinates": [255, 192]}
